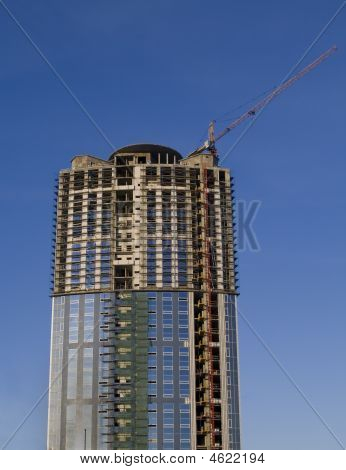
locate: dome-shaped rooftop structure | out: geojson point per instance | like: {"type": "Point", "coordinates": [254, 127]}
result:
{"type": "Point", "coordinates": [157, 153]}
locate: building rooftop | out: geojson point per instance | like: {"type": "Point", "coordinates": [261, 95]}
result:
{"type": "Point", "coordinates": [153, 149]}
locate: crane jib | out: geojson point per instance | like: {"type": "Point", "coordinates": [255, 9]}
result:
{"type": "Point", "coordinates": [261, 104]}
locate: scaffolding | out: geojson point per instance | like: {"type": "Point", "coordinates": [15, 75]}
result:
{"type": "Point", "coordinates": [123, 372]}
{"type": "Point", "coordinates": [207, 347]}
{"type": "Point", "coordinates": [161, 201]}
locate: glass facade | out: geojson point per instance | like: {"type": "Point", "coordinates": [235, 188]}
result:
{"type": "Point", "coordinates": [168, 371]}
{"type": "Point", "coordinates": [232, 369]}
{"type": "Point", "coordinates": [83, 354]}
{"type": "Point", "coordinates": [73, 397]}
{"type": "Point", "coordinates": [86, 369]}
{"type": "Point", "coordinates": [56, 367]}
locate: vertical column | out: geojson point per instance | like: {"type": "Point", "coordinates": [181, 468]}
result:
{"type": "Point", "coordinates": [56, 369]}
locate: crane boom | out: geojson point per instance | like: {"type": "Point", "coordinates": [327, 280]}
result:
{"type": "Point", "coordinates": [210, 143]}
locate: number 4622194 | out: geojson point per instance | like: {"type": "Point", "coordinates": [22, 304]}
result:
{"type": "Point", "coordinates": [237, 458]}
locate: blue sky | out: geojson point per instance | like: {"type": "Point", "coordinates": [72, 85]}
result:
{"type": "Point", "coordinates": [159, 71]}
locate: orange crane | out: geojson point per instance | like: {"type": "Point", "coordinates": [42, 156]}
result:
{"type": "Point", "coordinates": [212, 139]}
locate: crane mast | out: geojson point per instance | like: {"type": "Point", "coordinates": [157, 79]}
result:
{"type": "Point", "coordinates": [212, 139]}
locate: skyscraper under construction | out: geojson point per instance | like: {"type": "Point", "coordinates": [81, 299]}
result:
{"type": "Point", "coordinates": [144, 350]}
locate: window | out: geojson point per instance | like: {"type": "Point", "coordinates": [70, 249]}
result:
{"type": "Point", "coordinates": [184, 376]}
{"type": "Point", "coordinates": [167, 262]}
{"type": "Point", "coordinates": [184, 362]}
{"type": "Point", "coordinates": [152, 305]}
{"type": "Point", "coordinates": [185, 444]}
{"type": "Point", "coordinates": [152, 389]}
{"type": "Point", "coordinates": [184, 433]}
{"type": "Point", "coordinates": [151, 262]}
{"type": "Point", "coordinates": [183, 319]}
{"type": "Point", "coordinates": [90, 264]}
{"type": "Point", "coordinates": [78, 180]}
{"type": "Point", "coordinates": [105, 280]}
{"type": "Point", "coordinates": [87, 372]}
{"type": "Point", "coordinates": [152, 358]}
{"type": "Point", "coordinates": [76, 232]}
{"type": "Point", "coordinates": [152, 422]}
{"type": "Point", "coordinates": [105, 249]}
{"type": "Point", "coordinates": [168, 376]}
{"type": "Point", "coordinates": [182, 262]}
{"type": "Point", "coordinates": [151, 361]}
{"type": "Point", "coordinates": [168, 361]}
{"type": "Point", "coordinates": [151, 212]}
{"type": "Point", "coordinates": [89, 318]}
{"type": "Point", "coordinates": [124, 202]}
{"type": "Point", "coordinates": [168, 425]}
{"type": "Point", "coordinates": [74, 319]}
{"type": "Point", "coordinates": [152, 375]}
{"type": "Point", "coordinates": [183, 333]}
{"type": "Point", "coordinates": [123, 277]}
{"type": "Point", "coordinates": [152, 332]}
{"type": "Point", "coordinates": [93, 178]}
{"type": "Point", "coordinates": [151, 174]}
{"type": "Point", "coordinates": [168, 390]}
{"type": "Point", "coordinates": [168, 419]}
{"type": "Point", "coordinates": [70, 426]}
{"type": "Point", "coordinates": [184, 419]}
{"type": "Point", "coordinates": [184, 390]}
{"type": "Point", "coordinates": [107, 177]}
{"type": "Point", "coordinates": [166, 176]}
{"type": "Point", "coordinates": [90, 281]}
{"type": "Point", "coordinates": [167, 334]}
{"type": "Point", "coordinates": [167, 445]}
{"type": "Point", "coordinates": [72, 374]}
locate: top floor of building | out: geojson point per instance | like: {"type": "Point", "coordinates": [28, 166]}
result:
{"type": "Point", "coordinates": [142, 154]}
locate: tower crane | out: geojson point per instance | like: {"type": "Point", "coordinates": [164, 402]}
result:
{"type": "Point", "coordinates": [212, 138]}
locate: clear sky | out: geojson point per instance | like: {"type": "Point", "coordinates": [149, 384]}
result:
{"type": "Point", "coordinates": [159, 71]}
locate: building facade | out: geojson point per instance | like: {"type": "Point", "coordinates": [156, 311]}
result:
{"type": "Point", "coordinates": [144, 349]}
